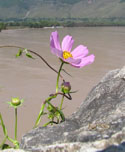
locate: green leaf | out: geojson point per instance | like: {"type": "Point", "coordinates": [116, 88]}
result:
{"type": "Point", "coordinates": [49, 108]}
{"type": "Point", "coordinates": [3, 126]}
{"type": "Point", "coordinates": [57, 114]}
{"type": "Point", "coordinates": [45, 113]}
{"type": "Point", "coordinates": [29, 55]}
{"type": "Point", "coordinates": [50, 116]}
{"type": "Point", "coordinates": [73, 91]}
{"type": "Point", "coordinates": [19, 53]}
{"type": "Point", "coordinates": [5, 146]}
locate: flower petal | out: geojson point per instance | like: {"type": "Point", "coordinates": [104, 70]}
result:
{"type": "Point", "coordinates": [73, 61]}
{"type": "Point", "coordinates": [85, 61]}
{"type": "Point", "coordinates": [57, 52]}
{"type": "Point", "coordinates": [80, 51]}
{"type": "Point", "coordinates": [67, 43]}
{"type": "Point", "coordinates": [54, 40]}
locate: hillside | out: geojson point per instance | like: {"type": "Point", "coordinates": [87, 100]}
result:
{"type": "Point", "coordinates": [62, 9]}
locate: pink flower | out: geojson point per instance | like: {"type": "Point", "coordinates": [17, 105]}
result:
{"type": "Point", "coordinates": [77, 58]}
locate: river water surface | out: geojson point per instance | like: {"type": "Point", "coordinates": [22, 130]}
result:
{"type": "Point", "coordinates": [33, 81]}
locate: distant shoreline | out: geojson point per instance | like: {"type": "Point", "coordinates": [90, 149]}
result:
{"type": "Point", "coordinates": [19, 27]}
{"type": "Point", "coordinates": [60, 23]}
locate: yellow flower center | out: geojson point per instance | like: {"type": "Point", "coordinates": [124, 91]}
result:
{"type": "Point", "coordinates": [67, 55]}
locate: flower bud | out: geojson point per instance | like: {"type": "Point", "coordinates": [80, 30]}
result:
{"type": "Point", "coordinates": [15, 101]}
{"type": "Point", "coordinates": [65, 87]}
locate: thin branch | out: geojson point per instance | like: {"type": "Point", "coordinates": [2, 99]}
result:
{"type": "Point", "coordinates": [63, 94]}
{"type": "Point", "coordinates": [49, 123]}
{"type": "Point", "coordinates": [33, 52]}
{"type": "Point", "coordinates": [68, 97]}
{"type": "Point", "coordinates": [66, 72]}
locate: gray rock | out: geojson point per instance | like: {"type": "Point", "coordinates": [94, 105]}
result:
{"type": "Point", "coordinates": [97, 126]}
{"type": "Point", "coordinates": [13, 150]}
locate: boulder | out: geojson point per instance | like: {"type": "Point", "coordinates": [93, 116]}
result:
{"type": "Point", "coordinates": [13, 150]}
{"type": "Point", "coordinates": [97, 126]}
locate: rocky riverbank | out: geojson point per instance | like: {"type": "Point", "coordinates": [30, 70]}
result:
{"type": "Point", "coordinates": [97, 126]}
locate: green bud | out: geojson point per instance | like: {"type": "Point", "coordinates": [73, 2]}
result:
{"type": "Point", "coordinates": [15, 101]}
{"type": "Point", "coordinates": [65, 87]}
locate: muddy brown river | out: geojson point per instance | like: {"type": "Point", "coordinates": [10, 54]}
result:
{"type": "Point", "coordinates": [33, 81]}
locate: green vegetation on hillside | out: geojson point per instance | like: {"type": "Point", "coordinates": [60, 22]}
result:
{"type": "Point", "coordinates": [34, 24]}
{"type": "Point", "coordinates": [69, 1]}
{"type": "Point", "coordinates": [70, 22]}
{"type": "Point", "coordinates": [2, 26]}
{"type": "Point", "coordinates": [122, 1]}
{"type": "Point", "coordinates": [20, 3]}
{"type": "Point", "coordinates": [27, 3]}
{"type": "Point", "coordinates": [21, 9]}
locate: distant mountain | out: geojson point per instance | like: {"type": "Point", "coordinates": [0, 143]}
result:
{"type": "Point", "coordinates": [62, 9]}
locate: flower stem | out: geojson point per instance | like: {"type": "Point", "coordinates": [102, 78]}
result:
{"type": "Point", "coordinates": [42, 110]}
{"type": "Point", "coordinates": [15, 123]}
{"type": "Point", "coordinates": [61, 102]}
{"type": "Point", "coordinates": [33, 52]}
{"type": "Point", "coordinates": [57, 82]}
{"type": "Point", "coordinates": [39, 116]}
{"type": "Point", "coordinates": [15, 142]}
{"type": "Point", "coordinates": [3, 142]}
{"type": "Point", "coordinates": [3, 126]}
